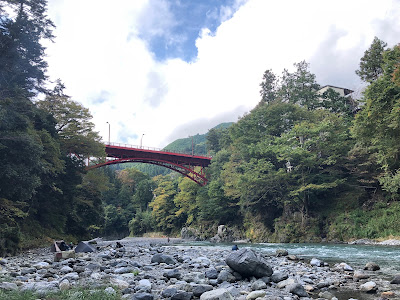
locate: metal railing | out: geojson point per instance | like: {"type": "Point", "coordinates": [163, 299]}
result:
{"type": "Point", "coordinates": [150, 148]}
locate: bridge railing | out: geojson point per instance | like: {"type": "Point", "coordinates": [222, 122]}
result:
{"type": "Point", "coordinates": [149, 148]}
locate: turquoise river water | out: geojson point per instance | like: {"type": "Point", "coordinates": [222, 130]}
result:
{"type": "Point", "coordinates": [387, 257]}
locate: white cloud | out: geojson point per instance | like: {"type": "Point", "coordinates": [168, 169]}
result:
{"type": "Point", "coordinates": [107, 66]}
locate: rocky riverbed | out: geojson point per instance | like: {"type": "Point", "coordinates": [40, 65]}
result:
{"type": "Point", "coordinates": [156, 269]}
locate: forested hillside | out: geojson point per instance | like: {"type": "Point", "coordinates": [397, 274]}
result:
{"type": "Point", "coordinates": [300, 166]}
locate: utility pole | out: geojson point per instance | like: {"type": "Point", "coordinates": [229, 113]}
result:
{"type": "Point", "coordinates": [108, 132]}
{"type": "Point", "coordinates": [141, 140]}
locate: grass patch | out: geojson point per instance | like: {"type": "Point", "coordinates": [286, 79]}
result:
{"type": "Point", "coordinates": [72, 294]}
{"type": "Point", "coordinates": [380, 222]}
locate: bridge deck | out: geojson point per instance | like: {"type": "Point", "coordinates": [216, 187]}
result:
{"type": "Point", "coordinates": [122, 151]}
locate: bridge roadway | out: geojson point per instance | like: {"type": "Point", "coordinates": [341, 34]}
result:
{"type": "Point", "coordinates": [120, 151]}
{"type": "Point", "coordinates": [191, 166]}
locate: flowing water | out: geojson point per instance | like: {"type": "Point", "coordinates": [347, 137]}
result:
{"type": "Point", "coordinates": [387, 257]}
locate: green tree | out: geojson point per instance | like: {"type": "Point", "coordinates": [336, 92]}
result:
{"type": "Point", "coordinates": [22, 64]}
{"type": "Point", "coordinates": [377, 125]}
{"type": "Point", "coordinates": [73, 125]}
{"type": "Point", "coordinates": [299, 87]}
{"type": "Point", "coordinates": [372, 61]}
{"type": "Point", "coordinates": [269, 86]}
{"type": "Point", "coordinates": [163, 206]}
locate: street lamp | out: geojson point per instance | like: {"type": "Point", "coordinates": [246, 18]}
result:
{"type": "Point", "coordinates": [141, 140]}
{"type": "Point", "coordinates": [108, 132]}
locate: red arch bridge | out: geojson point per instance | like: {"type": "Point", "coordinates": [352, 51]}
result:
{"type": "Point", "coordinates": [191, 166]}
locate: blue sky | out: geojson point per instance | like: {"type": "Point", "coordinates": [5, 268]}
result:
{"type": "Point", "coordinates": [178, 40]}
{"type": "Point", "coordinates": [169, 69]}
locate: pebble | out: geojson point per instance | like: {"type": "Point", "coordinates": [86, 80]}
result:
{"type": "Point", "coordinates": [161, 271]}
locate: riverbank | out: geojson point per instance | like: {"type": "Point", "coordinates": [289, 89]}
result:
{"type": "Point", "coordinates": [153, 268]}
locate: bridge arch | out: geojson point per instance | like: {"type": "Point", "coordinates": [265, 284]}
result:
{"type": "Point", "coordinates": [190, 166]}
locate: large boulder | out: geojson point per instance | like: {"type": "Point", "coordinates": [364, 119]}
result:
{"type": "Point", "coordinates": [224, 234]}
{"type": "Point", "coordinates": [163, 258]}
{"type": "Point", "coordinates": [189, 233]}
{"type": "Point", "coordinates": [248, 263]}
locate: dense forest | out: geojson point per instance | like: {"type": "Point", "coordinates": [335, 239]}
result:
{"type": "Point", "coordinates": [301, 166]}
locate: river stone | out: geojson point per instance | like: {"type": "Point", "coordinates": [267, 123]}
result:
{"type": "Point", "coordinates": [182, 295]}
{"type": "Point", "coordinates": [345, 267]}
{"type": "Point", "coordinates": [224, 275]}
{"type": "Point", "coordinates": [297, 289]}
{"type": "Point", "coordinates": [218, 294]}
{"type": "Point", "coordinates": [316, 262]}
{"type": "Point", "coordinates": [64, 285]}
{"type": "Point", "coordinates": [248, 263]}
{"type": "Point", "coordinates": [41, 265]}
{"type": "Point", "coordinates": [369, 287]}
{"type": "Point", "coordinates": [174, 273]}
{"type": "Point", "coordinates": [286, 282]}
{"type": "Point", "coordinates": [371, 266]}
{"type": "Point", "coordinates": [200, 289]}
{"type": "Point", "coordinates": [163, 258]}
{"type": "Point", "coordinates": [66, 269]}
{"type": "Point", "coordinates": [121, 284]}
{"type": "Point", "coordinates": [169, 292]}
{"type": "Point", "coordinates": [395, 280]}
{"type": "Point", "coordinates": [110, 291]}
{"type": "Point", "coordinates": [278, 276]}
{"type": "Point", "coordinates": [360, 275]}
{"type": "Point", "coordinates": [258, 285]}
{"type": "Point", "coordinates": [123, 270]}
{"type": "Point", "coordinates": [144, 285]}
{"type": "Point", "coordinates": [326, 295]}
{"type": "Point", "coordinates": [28, 271]}
{"type": "Point", "coordinates": [281, 252]}
{"type": "Point", "coordinates": [142, 296]}
{"type": "Point", "coordinates": [256, 294]}
{"type": "Point", "coordinates": [8, 286]}
{"type": "Point", "coordinates": [212, 274]}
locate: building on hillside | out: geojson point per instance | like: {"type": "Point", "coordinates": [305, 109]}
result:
{"type": "Point", "coordinates": [343, 92]}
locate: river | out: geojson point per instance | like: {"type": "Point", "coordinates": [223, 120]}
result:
{"type": "Point", "coordinates": [387, 257]}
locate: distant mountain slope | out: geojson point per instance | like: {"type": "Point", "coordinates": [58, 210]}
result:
{"type": "Point", "coordinates": [197, 142]}
{"type": "Point", "coordinates": [183, 145]}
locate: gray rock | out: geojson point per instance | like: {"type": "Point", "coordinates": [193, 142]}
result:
{"type": "Point", "coordinates": [212, 274]}
{"type": "Point", "coordinates": [123, 270]}
{"type": "Point", "coordinates": [182, 295]}
{"type": "Point", "coordinates": [360, 275]}
{"type": "Point", "coordinates": [326, 295]}
{"type": "Point", "coordinates": [371, 266]}
{"type": "Point", "coordinates": [247, 263]}
{"type": "Point", "coordinates": [224, 275]}
{"type": "Point", "coordinates": [142, 296]}
{"type": "Point", "coordinates": [163, 258]}
{"type": "Point", "coordinates": [258, 285]}
{"type": "Point", "coordinates": [144, 285]}
{"type": "Point", "coordinates": [3, 261]}
{"type": "Point", "coordinates": [281, 252]}
{"type": "Point", "coordinates": [66, 269]}
{"type": "Point", "coordinates": [278, 276]}
{"type": "Point", "coordinates": [369, 287]}
{"type": "Point", "coordinates": [395, 280]}
{"type": "Point", "coordinates": [316, 262]}
{"type": "Point", "coordinates": [8, 286]}
{"type": "Point", "coordinates": [168, 292]}
{"type": "Point", "coordinates": [174, 273]}
{"type": "Point", "coordinates": [200, 289]}
{"type": "Point", "coordinates": [41, 265]}
{"type": "Point", "coordinates": [218, 294]}
{"type": "Point", "coordinates": [110, 291]}
{"type": "Point", "coordinates": [297, 289]}
{"type": "Point", "coordinates": [28, 271]}
{"type": "Point", "coordinates": [255, 295]}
